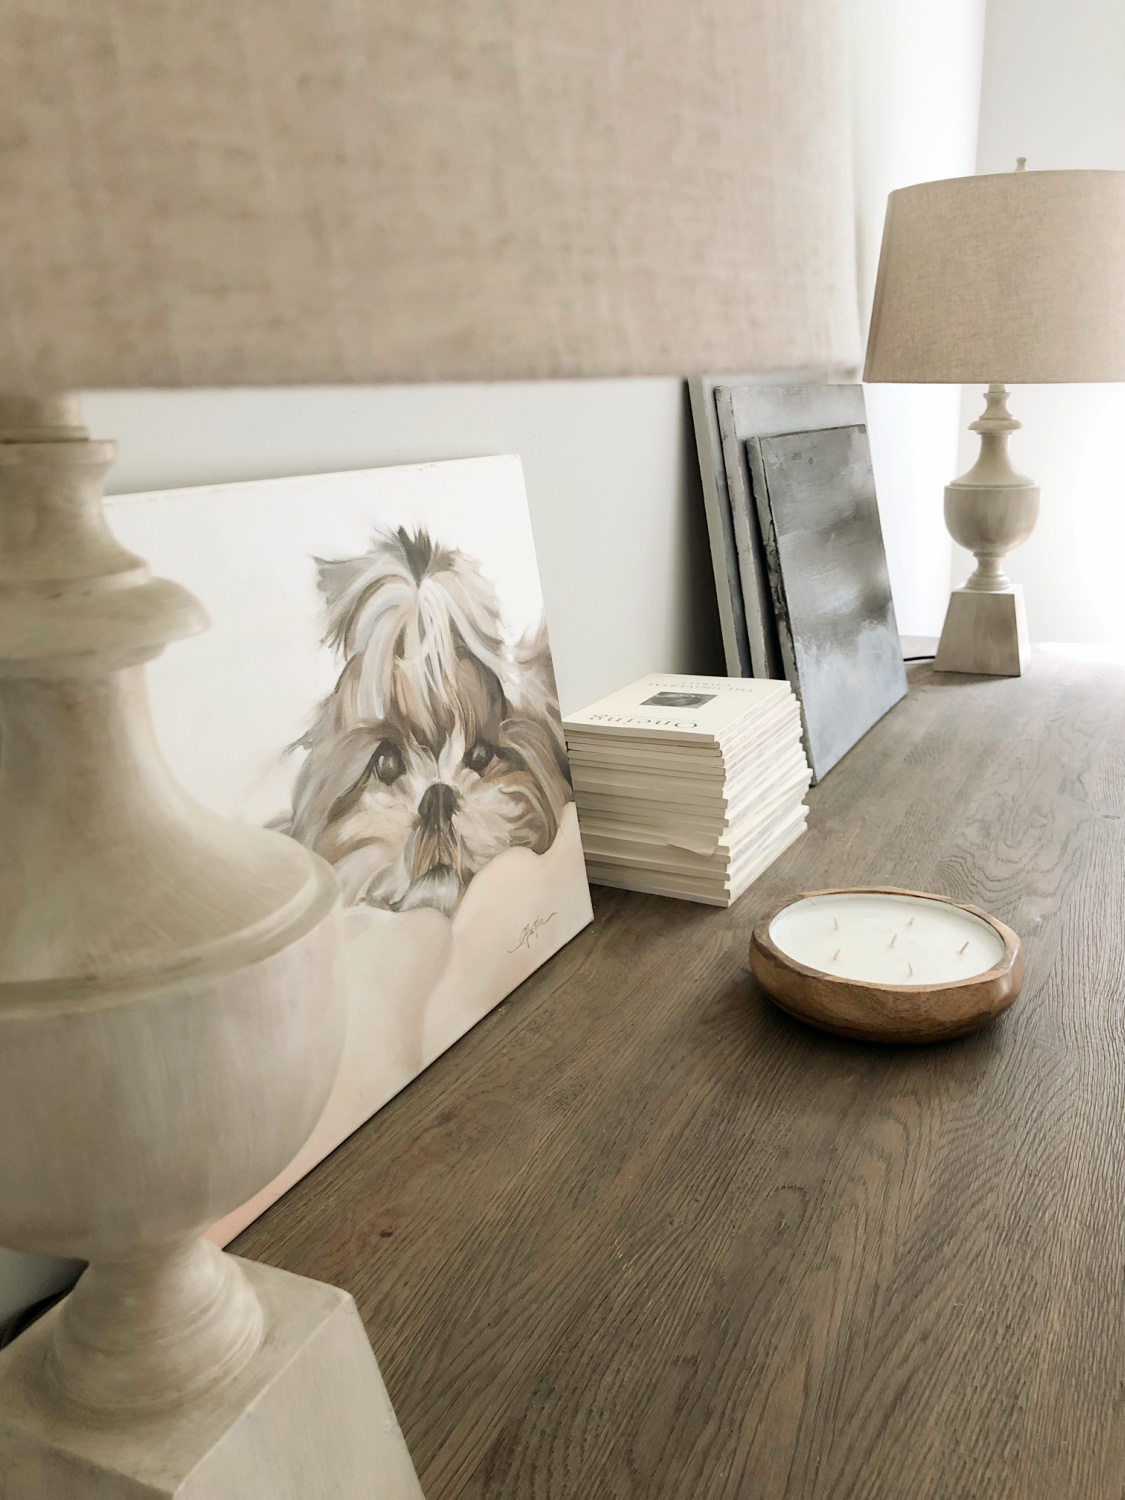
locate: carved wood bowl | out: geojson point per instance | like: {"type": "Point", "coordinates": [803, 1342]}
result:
{"type": "Point", "coordinates": [882, 1012]}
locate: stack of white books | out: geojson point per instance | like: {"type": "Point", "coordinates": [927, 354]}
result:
{"type": "Point", "coordinates": [688, 786]}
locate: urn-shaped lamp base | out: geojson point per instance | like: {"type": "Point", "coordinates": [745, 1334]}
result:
{"type": "Point", "coordinates": [990, 510]}
{"type": "Point", "coordinates": [171, 1022]}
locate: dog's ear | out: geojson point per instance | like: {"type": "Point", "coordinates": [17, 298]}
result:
{"type": "Point", "coordinates": [531, 686]}
{"type": "Point", "coordinates": [369, 602]}
{"type": "Point", "coordinates": [537, 746]}
{"type": "Point", "coordinates": [330, 775]}
{"type": "Point", "coordinates": [342, 584]}
{"type": "Point", "coordinates": [334, 579]}
{"type": "Point", "coordinates": [480, 703]}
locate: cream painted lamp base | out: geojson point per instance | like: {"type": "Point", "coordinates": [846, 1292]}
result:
{"type": "Point", "coordinates": [984, 633]}
{"type": "Point", "coordinates": [990, 510]}
{"type": "Point", "coordinates": [171, 1022]}
{"type": "Point", "coordinates": [307, 1419]}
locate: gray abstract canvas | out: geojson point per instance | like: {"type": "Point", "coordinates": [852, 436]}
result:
{"type": "Point", "coordinates": [727, 412]}
{"type": "Point", "coordinates": [815, 499]}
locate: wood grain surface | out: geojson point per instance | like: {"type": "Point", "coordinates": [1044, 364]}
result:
{"type": "Point", "coordinates": [641, 1235]}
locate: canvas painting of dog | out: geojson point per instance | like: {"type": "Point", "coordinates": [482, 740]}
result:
{"type": "Point", "coordinates": [377, 683]}
{"type": "Point", "coordinates": [441, 744]}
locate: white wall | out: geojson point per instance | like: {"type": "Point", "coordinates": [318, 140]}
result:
{"type": "Point", "coordinates": [916, 85]}
{"type": "Point", "coordinates": [611, 475]}
{"type": "Point", "coordinates": [1053, 90]}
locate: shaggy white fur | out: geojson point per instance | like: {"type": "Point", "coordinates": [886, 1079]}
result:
{"type": "Point", "coordinates": [441, 744]}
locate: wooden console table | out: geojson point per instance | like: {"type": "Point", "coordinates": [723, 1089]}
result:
{"type": "Point", "coordinates": [640, 1236]}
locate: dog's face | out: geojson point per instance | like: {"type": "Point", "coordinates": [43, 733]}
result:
{"type": "Point", "coordinates": [416, 821]}
{"type": "Point", "coordinates": [410, 804]}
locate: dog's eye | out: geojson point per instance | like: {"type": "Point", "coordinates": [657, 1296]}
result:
{"type": "Point", "coordinates": [386, 763]}
{"type": "Point", "coordinates": [478, 755]}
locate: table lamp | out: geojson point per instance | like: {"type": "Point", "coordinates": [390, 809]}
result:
{"type": "Point", "coordinates": [235, 193]}
{"type": "Point", "coordinates": [1012, 278]}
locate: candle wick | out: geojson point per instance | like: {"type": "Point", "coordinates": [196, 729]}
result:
{"type": "Point", "coordinates": [962, 948]}
{"type": "Point", "coordinates": [893, 941]}
{"type": "Point", "coordinates": [835, 924]}
{"type": "Point", "coordinates": [836, 955]}
{"type": "Point", "coordinates": [910, 968]}
{"type": "Point", "coordinates": [911, 922]}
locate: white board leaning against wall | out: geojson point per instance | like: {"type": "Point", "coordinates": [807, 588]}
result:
{"type": "Point", "coordinates": [377, 682]}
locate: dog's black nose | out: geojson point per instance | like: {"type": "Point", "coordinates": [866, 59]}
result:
{"type": "Point", "coordinates": [438, 804]}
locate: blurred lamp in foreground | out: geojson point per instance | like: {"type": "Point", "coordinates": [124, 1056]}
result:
{"type": "Point", "coordinates": [1012, 279]}
{"type": "Point", "coordinates": [236, 193]}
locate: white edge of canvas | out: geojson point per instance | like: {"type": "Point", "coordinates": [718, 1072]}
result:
{"type": "Point", "coordinates": [716, 505]}
{"type": "Point", "coordinates": [757, 604]}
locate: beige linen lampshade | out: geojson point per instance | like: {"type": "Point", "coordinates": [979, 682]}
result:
{"type": "Point", "coordinates": [246, 192]}
{"type": "Point", "coordinates": [1016, 277]}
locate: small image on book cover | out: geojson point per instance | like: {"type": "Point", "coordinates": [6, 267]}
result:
{"type": "Point", "coordinates": [677, 700]}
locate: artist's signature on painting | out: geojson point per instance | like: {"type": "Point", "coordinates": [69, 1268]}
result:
{"type": "Point", "coordinates": [531, 930]}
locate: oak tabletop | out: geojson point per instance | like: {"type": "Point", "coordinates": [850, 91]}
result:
{"type": "Point", "coordinates": [641, 1235]}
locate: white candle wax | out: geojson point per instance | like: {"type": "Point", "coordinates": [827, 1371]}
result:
{"type": "Point", "coordinates": [886, 939]}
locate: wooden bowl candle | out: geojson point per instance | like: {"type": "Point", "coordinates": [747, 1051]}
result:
{"type": "Point", "coordinates": [886, 965]}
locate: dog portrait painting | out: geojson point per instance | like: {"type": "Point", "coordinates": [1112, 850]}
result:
{"type": "Point", "coordinates": [378, 684]}
{"type": "Point", "coordinates": [441, 744]}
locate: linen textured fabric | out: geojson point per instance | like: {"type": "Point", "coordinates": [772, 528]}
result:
{"type": "Point", "coordinates": [217, 192]}
{"type": "Point", "coordinates": [1016, 277]}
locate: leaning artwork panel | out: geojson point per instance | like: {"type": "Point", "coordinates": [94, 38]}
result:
{"type": "Point", "coordinates": [377, 682]}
